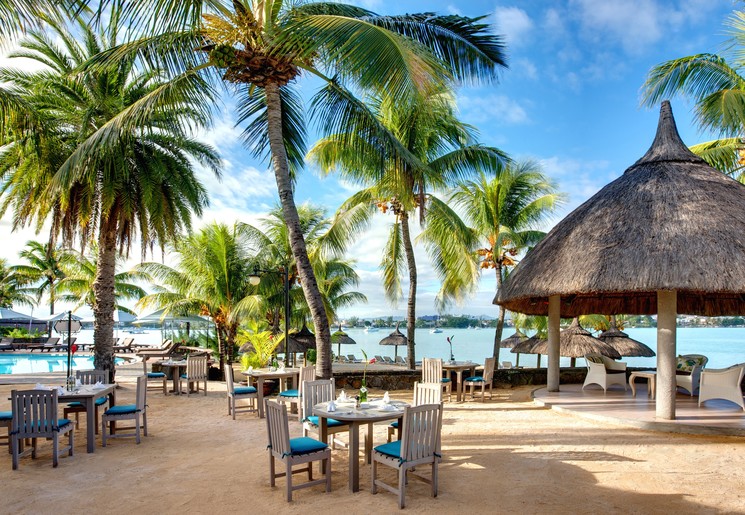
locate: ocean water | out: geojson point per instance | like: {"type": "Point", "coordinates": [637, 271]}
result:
{"type": "Point", "coordinates": [723, 346]}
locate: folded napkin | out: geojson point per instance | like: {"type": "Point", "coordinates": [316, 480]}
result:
{"type": "Point", "coordinates": [60, 391]}
{"type": "Point", "coordinates": [99, 385]}
{"type": "Point", "coordinates": [250, 369]}
{"type": "Point", "coordinates": [332, 407]}
{"type": "Point", "coordinates": [386, 398]}
{"type": "Point", "coordinates": [78, 382]}
{"type": "Point", "coordinates": [389, 407]}
{"type": "Point", "coordinates": [342, 396]}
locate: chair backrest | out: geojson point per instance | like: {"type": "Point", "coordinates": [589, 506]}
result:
{"type": "Point", "coordinates": [71, 341]}
{"type": "Point", "coordinates": [306, 374]}
{"type": "Point", "coordinates": [313, 392]}
{"type": "Point", "coordinates": [127, 342]}
{"type": "Point", "coordinates": [141, 400]}
{"type": "Point", "coordinates": [399, 360]}
{"type": "Point", "coordinates": [92, 376]}
{"type": "Point", "coordinates": [421, 431]}
{"type": "Point", "coordinates": [229, 377]}
{"type": "Point", "coordinates": [489, 369]}
{"type": "Point", "coordinates": [351, 358]}
{"type": "Point", "coordinates": [427, 393]}
{"type": "Point", "coordinates": [592, 359]}
{"type": "Point", "coordinates": [277, 428]}
{"type": "Point", "coordinates": [34, 413]}
{"type": "Point", "coordinates": [52, 341]}
{"type": "Point", "coordinates": [196, 368]}
{"type": "Point", "coordinates": [431, 370]}
{"type": "Point", "coordinates": [688, 362]}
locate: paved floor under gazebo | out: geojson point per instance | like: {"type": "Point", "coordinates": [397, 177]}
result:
{"type": "Point", "coordinates": [715, 417]}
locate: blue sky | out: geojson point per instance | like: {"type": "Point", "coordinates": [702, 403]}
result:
{"type": "Point", "coordinates": [570, 99]}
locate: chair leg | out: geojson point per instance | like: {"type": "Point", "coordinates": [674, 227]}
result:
{"type": "Point", "coordinates": [103, 432]}
{"type": "Point", "coordinates": [483, 392]}
{"type": "Point", "coordinates": [434, 478]}
{"type": "Point", "coordinates": [232, 401]}
{"type": "Point", "coordinates": [165, 386]}
{"type": "Point", "coordinates": [137, 429]}
{"type": "Point", "coordinates": [328, 474]}
{"type": "Point", "coordinates": [401, 487]}
{"type": "Point", "coordinates": [374, 476]}
{"type": "Point", "coordinates": [144, 423]}
{"type": "Point", "coordinates": [14, 451]}
{"type": "Point", "coordinates": [55, 450]}
{"type": "Point", "coordinates": [289, 481]}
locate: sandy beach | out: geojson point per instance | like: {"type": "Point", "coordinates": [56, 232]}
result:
{"type": "Point", "coordinates": [503, 456]}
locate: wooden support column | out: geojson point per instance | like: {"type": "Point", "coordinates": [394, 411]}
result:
{"type": "Point", "coordinates": [667, 308]}
{"type": "Point", "coordinates": [554, 321]}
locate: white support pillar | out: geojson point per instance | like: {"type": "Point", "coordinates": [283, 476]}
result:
{"type": "Point", "coordinates": [667, 310]}
{"type": "Point", "coordinates": [554, 321]}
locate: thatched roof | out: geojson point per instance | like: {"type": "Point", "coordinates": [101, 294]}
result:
{"type": "Point", "coordinates": [528, 346]}
{"type": "Point", "coordinates": [670, 222]}
{"type": "Point", "coordinates": [575, 341]}
{"type": "Point", "coordinates": [625, 345]}
{"type": "Point", "coordinates": [512, 340]}
{"type": "Point", "coordinates": [395, 338]}
{"type": "Point", "coordinates": [302, 340]}
{"type": "Point", "coordinates": [342, 338]}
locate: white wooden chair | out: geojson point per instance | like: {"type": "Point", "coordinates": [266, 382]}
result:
{"type": "Point", "coordinates": [239, 393]}
{"type": "Point", "coordinates": [314, 392]}
{"type": "Point", "coordinates": [87, 377]}
{"type": "Point", "coordinates": [136, 412]}
{"type": "Point", "coordinates": [424, 393]}
{"type": "Point", "coordinates": [688, 371]}
{"type": "Point", "coordinates": [196, 372]}
{"type": "Point", "coordinates": [293, 396]}
{"type": "Point", "coordinates": [604, 372]}
{"type": "Point", "coordinates": [484, 381]}
{"type": "Point", "coordinates": [432, 373]}
{"type": "Point", "coordinates": [35, 416]}
{"type": "Point", "coordinates": [419, 445]}
{"type": "Point", "coordinates": [293, 451]}
{"type": "Point", "coordinates": [725, 383]}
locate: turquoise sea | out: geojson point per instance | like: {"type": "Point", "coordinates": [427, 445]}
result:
{"type": "Point", "coordinates": [723, 346]}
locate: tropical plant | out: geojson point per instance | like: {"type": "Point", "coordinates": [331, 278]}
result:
{"type": "Point", "coordinates": [12, 287]}
{"type": "Point", "coordinates": [264, 344]}
{"type": "Point", "coordinates": [43, 270]}
{"type": "Point", "coordinates": [211, 277]}
{"type": "Point", "coordinates": [434, 152]}
{"type": "Point", "coordinates": [717, 86]}
{"type": "Point", "coordinates": [507, 211]}
{"type": "Point", "coordinates": [261, 46]}
{"type": "Point", "coordinates": [106, 154]}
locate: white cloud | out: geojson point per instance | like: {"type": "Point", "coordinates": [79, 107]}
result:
{"type": "Point", "coordinates": [526, 68]}
{"type": "Point", "coordinates": [514, 23]}
{"type": "Point", "coordinates": [492, 108]}
{"type": "Point", "coordinates": [580, 178]}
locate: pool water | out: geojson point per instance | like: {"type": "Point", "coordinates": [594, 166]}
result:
{"type": "Point", "coordinates": [39, 363]}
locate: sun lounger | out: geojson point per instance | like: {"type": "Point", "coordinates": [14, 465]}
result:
{"type": "Point", "coordinates": [388, 360]}
{"type": "Point", "coordinates": [353, 359]}
{"type": "Point", "coordinates": [400, 361]}
{"type": "Point", "coordinates": [6, 344]}
{"type": "Point", "coordinates": [379, 359]}
{"type": "Point", "coordinates": [126, 345]}
{"type": "Point", "coordinates": [48, 346]}
{"type": "Point", "coordinates": [167, 350]}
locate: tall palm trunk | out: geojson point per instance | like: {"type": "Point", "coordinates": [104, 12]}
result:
{"type": "Point", "coordinates": [500, 319]}
{"type": "Point", "coordinates": [104, 297]}
{"type": "Point", "coordinates": [411, 304]}
{"type": "Point", "coordinates": [297, 242]}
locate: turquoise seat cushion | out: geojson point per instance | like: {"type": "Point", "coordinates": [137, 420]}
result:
{"type": "Point", "coordinates": [156, 375]}
{"type": "Point", "coordinates": [475, 379]}
{"type": "Point", "coordinates": [184, 376]}
{"type": "Point", "coordinates": [446, 380]}
{"type": "Point", "coordinates": [242, 390]}
{"type": "Point", "coordinates": [61, 423]}
{"type": "Point", "coordinates": [306, 445]}
{"type": "Point", "coordinates": [392, 449]}
{"type": "Point", "coordinates": [76, 404]}
{"type": "Point", "coordinates": [6, 415]}
{"type": "Point", "coordinates": [330, 422]}
{"type": "Point", "coordinates": [122, 409]}
{"type": "Point", "coordinates": [394, 424]}
{"type": "Point", "coordinates": [290, 393]}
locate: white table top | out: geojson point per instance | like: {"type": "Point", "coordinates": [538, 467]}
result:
{"type": "Point", "coordinates": [372, 411]}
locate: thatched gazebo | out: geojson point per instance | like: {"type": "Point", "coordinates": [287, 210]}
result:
{"type": "Point", "coordinates": [300, 341]}
{"type": "Point", "coordinates": [512, 340]}
{"type": "Point", "coordinates": [575, 341]}
{"type": "Point", "coordinates": [623, 343]}
{"type": "Point", "coordinates": [528, 346]}
{"type": "Point", "coordinates": [341, 338]}
{"type": "Point", "coordinates": [666, 237]}
{"type": "Point", "coordinates": [396, 338]}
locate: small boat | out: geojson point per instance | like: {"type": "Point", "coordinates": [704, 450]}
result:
{"type": "Point", "coordinates": [371, 329]}
{"type": "Point", "coordinates": [436, 330]}
{"type": "Point", "coordinates": [137, 330]}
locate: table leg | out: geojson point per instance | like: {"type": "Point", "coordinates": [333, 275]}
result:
{"type": "Point", "coordinates": [112, 403]}
{"type": "Point", "coordinates": [459, 385]}
{"type": "Point", "coordinates": [260, 392]}
{"type": "Point", "coordinates": [368, 444]}
{"type": "Point", "coordinates": [354, 456]}
{"type": "Point", "coordinates": [652, 385]}
{"type": "Point", "coordinates": [632, 384]}
{"type": "Point", "coordinates": [90, 423]}
{"type": "Point", "coordinates": [323, 435]}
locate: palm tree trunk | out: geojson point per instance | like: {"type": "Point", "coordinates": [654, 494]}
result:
{"type": "Point", "coordinates": [500, 319]}
{"type": "Point", "coordinates": [411, 304]}
{"type": "Point", "coordinates": [104, 298]}
{"type": "Point", "coordinates": [297, 242]}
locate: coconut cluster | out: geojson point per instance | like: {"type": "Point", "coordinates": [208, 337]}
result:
{"type": "Point", "coordinates": [253, 67]}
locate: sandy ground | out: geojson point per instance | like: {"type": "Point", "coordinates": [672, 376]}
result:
{"type": "Point", "coordinates": [503, 456]}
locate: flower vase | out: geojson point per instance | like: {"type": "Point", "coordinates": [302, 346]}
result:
{"type": "Point", "coordinates": [70, 383]}
{"type": "Point", "coordinates": [363, 392]}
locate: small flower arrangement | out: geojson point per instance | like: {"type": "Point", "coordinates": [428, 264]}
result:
{"type": "Point", "coordinates": [363, 389]}
{"type": "Point", "coordinates": [450, 342]}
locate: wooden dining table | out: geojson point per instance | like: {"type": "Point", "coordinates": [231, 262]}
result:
{"type": "Point", "coordinates": [262, 374]}
{"type": "Point", "coordinates": [459, 367]}
{"type": "Point", "coordinates": [368, 413]}
{"type": "Point", "coordinates": [87, 395]}
{"type": "Point", "coordinates": [175, 367]}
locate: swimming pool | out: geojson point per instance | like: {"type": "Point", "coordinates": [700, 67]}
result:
{"type": "Point", "coordinates": [39, 363]}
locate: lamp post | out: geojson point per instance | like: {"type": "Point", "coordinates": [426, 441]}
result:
{"type": "Point", "coordinates": [255, 279]}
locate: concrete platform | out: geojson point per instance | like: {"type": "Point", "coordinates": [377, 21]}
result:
{"type": "Point", "coordinates": [714, 417]}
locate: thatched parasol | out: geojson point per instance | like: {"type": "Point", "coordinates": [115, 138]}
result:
{"type": "Point", "coordinates": [396, 338]}
{"type": "Point", "coordinates": [528, 347]}
{"type": "Point", "coordinates": [300, 341]}
{"type": "Point", "coordinates": [625, 345]}
{"type": "Point", "coordinates": [575, 341]}
{"type": "Point", "coordinates": [341, 338]}
{"type": "Point", "coordinates": [666, 237]}
{"type": "Point", "coordinates": [512, 340]}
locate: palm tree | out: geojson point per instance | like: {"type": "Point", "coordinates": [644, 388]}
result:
{"type": "Point", "coordinates": [261, 47]}
{"type": "Point", "coordinates": [507, 211]}
{"type": "Point", "coordinates": [434, 151]}
{"type": "Point", "coordinates": [43, 270]}
{"type": "Point", "coordinates": [11, 287]}
{"type": "Point", "coordinates": [211, 277]}
{"type": "Point", "coordinates": [717, 86]}
{"type": "Point", "coordinates": [106, 154]}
